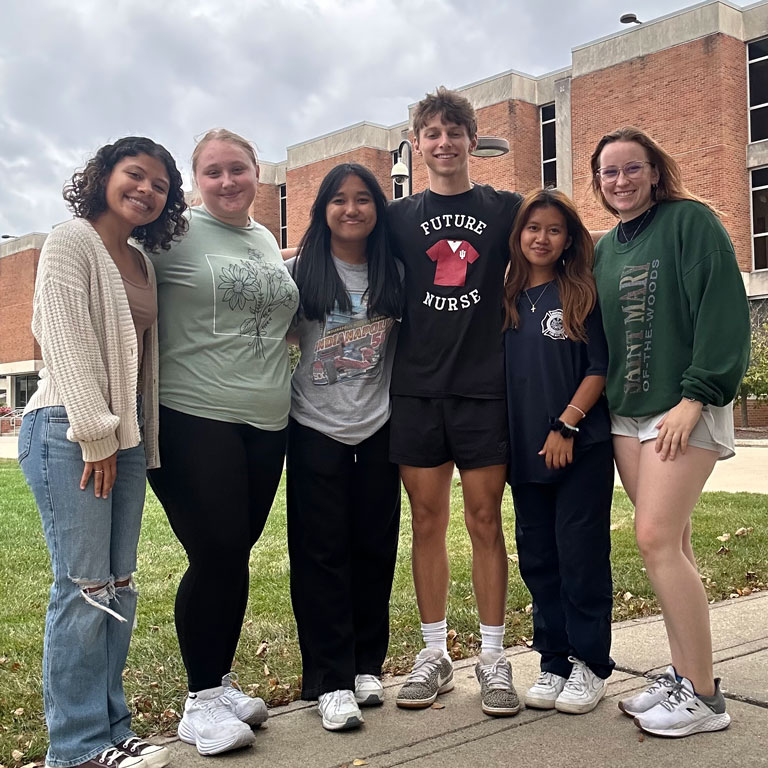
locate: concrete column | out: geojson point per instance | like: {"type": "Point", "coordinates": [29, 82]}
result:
{"type": "Point", "coordinates": [563, 135]}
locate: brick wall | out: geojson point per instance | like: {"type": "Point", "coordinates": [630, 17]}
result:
{"type": "Point", "coordinates": [266, 208]}
{"type": "Point", "coordinates": [17, 288]}
{"type": "Point", "coordinates": [757, 414]}
{"type": "Point", "coordinates": [692, 99]}
{"type": "Point", "coordinates": [302, 184]}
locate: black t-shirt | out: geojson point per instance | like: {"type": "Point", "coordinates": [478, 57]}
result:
{"type": "Point", "coordinates": [455, 249]}
{"type": "Point", "coordinates": [544, 368]}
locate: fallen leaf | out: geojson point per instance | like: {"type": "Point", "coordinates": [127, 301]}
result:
{"type": "Point", "coordinates": [17, 755]}
{"type": "Point", "coordinates": [724, 537]}
{"type": "Point", "coordinates": [266, 671]}
{"type": "Point", "coordinates": [262, 649]}
{"type": "Point", "coordinates": [451, 636]}
{"type": "Point", "coordinates": [627, 596]}
{"type": "Point", "coordinates": [513, 558]}
{"type": "Point", "coordinates": [438, 705]}
{"type": "Point", "coordinates": [18, 712]}
{"type": "Point", "coordinates": [751, 575]}
{"type": "Point", "coordinates": [359, 761]}
{"type": "Point", "coordinates": [529, 643]}
{"type": "Point", "coordinates": [741, 532]}
{"type": "Point", "coordinates": [529, 608]}
{"type": "Point", "coordinates": [154, 628]}
{"type": "Point", "coordinates": [615, 526]}
{"type": "Point", "coordinates": [641, 737]}
{"type": "Point", "coordinates": [3, 660]}
{"type": "Point", "coordinates": [723, 551]}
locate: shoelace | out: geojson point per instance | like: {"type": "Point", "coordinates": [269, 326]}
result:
{"type": "Point", "coordinates": [657, 682]}
{"type": "Point", "coordinates": [546, 678]}
{"type": "Point", "coordinates": [677, 695]}
{"type": "Point", "coordinates": [578, 679]}
{"type": "Point", "coordinates": [497, 674]}
{"type": "Point", "coordinates": [422, 669]}
{"type": "Point", "coordinates": [231, 680]}
{"type": "Point", "coordinates": [218, 711]}
{"type": "Point", "coordinates": [110, 755]}
{"type": "Point", "coordinates": [133, 741]}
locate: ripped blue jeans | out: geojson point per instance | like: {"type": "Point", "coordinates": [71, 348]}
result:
{"type": "Point", "coordinates": [92, 544]}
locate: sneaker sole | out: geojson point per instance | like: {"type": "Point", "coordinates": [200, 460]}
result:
{"type": "Point", "coordinates": [158, 759]}
{"type": "Point", "coordinates": [533, 702]}
{"type": "Point", "coordinates": [371, 700]}
{"type": "Point", "coordinates": [428, 702]}
{"type": "Point", "coordinates": [714, 723]}
{"type": "Point", "coordinates": [578, 708]}
{"type": "Point", "coordinates": [351, 722]}
{"type": "Point", "coordinates": [244, 738]}
{"type": "Point", "coordinates": [501, 711]}
{"type": "Point", "coordinates": [632, 712]}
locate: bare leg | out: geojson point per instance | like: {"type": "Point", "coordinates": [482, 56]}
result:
{"type": "Point", "coordinates": [483, 489]}
{"type": "Point", "coordinates": [665, 496]}
{"type": "Point", "coordinates": [429, 491]}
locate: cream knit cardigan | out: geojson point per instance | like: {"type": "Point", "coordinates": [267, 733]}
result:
{"type": "Point", "coordinates": [83, 323]}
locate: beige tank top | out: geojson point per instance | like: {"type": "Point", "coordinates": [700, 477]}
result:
{"type": "Point", "coordinates": [143, 304]}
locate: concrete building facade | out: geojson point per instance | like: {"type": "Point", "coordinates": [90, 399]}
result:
{"type": "Point", "coordinates": [696, 80]}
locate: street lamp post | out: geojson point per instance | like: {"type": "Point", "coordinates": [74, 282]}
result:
{"type": "Point", "coordinates": [402, 170]}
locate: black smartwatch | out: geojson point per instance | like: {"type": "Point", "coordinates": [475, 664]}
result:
{"type": "Point", "coordinates": [566, 430]}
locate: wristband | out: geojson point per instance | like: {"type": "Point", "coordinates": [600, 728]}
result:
{"type": "Point", "coordinates": [576, 408]}
{"type": "Point", "coordinates": [566, 430]}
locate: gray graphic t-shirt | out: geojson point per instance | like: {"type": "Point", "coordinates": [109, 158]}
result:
{"type": "Point", "coordinates": [341, 385]}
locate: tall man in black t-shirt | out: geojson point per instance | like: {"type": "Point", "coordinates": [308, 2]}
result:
{"type": "Point", "coordinates": [448, 406]}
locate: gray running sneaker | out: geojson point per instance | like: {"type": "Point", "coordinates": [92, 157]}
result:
{"type": "Point", "coordinates": [497, 692]}
{"type": "Point", "coordinates": [432, 674]}
{"type": "Point", "coordinates": [657, 691]}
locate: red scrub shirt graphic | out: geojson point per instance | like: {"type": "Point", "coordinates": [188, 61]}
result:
{"type": "Point", "coordinates": [452, 257]}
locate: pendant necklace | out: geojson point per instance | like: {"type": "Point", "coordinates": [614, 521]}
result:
{"type": "Point", "coordinates": [637, 229]}
{"type": "Point", "coordinates": [538, 299]}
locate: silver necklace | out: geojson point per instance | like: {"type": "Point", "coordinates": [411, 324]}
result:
{"type": "Point", "coordinates": [538, 298]}
{"type": "Point", "coordinates": [637, 230]}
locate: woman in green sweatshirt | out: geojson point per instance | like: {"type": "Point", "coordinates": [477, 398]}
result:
{"type": "Point", "coordinates": [677, 323]}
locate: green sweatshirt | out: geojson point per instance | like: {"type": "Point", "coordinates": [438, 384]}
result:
{"type": "Point", "coordinates": [675, 312]}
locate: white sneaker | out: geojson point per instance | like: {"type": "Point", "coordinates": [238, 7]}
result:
{"type": "Point", "coordinates": [684, 713]}
{"type": "Point", "coordinates": [249, 709]}
{"type": "Point", "coordinates": [112, 757]}
{"type": "Point", "coordinates": [153, 755]}
{"type": "Point", "coordinates": [543, 693]}
{"type": "Point", "coordinates": [655, 693]}
{"type": "Point", "coordinates": [210, 724]}
{"type": "Point", "coordinates": [582, 690]}
{"type": "Point", "coordinates": [339, 710]}
{"type": "Point", "coordinates": [369, 692]}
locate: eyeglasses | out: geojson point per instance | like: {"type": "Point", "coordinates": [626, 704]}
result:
{"type": "Point", "coordinates": [631, 170]}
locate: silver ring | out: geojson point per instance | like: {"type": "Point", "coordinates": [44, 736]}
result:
{"type": "Point", "coordinates": [98, 470]}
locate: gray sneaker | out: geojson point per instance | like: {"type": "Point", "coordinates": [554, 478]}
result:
{"type": "Point", "coordinates": [497, 692]}
{"type": "Point", "coordinates": [432, 674]}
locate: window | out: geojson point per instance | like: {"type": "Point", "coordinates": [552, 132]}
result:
{"type": "Point", "coordinates": [757, 56]}
{"type": "Point", "coordinates": [397, 189]}
{"type": "Point", "coordinates": [548, 147]}
{"type": "Point", "coordinates": [283, 218]}
{"type": "Point", "coordinates": [23, 388]}
{"type": "Point", "coordinates": [760, 217]}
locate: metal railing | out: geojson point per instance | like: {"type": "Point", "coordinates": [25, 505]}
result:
{"type": "Point", "coordinates": [10, 423]}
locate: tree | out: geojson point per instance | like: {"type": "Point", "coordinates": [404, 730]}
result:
{"type": "Point", "coordinates": [755, 382]}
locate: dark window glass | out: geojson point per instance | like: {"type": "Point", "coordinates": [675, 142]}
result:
{"type": "Point", "coordinates": [760, 211]}
{"type": "Point", "coordinates": [761, 253]}
{"type": "Point", "coordinates": [758, 124]}
{"type": "Point", "coordinates": [760, 178]}
{"type": "Point", "coordinates": [758, 49]}
{"type": "Point", "coordinates": [550, 173]}
{"type": "Point", "coordinates": [548, 112]}
{"type": "Point", "coordinates": [758, 83]}
{"type": "Point", "coordinates": [25, 387]}
{"type": "Point", "coordinates": [547, 141]}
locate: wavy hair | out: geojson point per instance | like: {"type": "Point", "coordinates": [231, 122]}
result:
{"type": "Point", "coordinates": [85, 192]}
{"type": "Point", "coordinates": [450, 106]}
{"type": "Point", "coordinates": [319, 283]}
{"type": "Point", "coordinates": [670, 184]}
{"type": "Point", "coordinates": [573, 270]}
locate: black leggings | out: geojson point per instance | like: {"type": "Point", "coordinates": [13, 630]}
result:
{"type": "Point", "coordinates": [343, 522]}
{"type": "Point", "coordinates": [216, 483]}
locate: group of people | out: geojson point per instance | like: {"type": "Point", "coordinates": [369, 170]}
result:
{"type": "Point", "coordinates": [459, 328]}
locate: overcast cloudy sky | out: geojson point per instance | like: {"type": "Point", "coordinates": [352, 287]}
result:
{"type": "Point", "coordinates": [76, 74]}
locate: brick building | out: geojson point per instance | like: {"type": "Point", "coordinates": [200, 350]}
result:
{"type": "Point", "coordinates": [696, 79]}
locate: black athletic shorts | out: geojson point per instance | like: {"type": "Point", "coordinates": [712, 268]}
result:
{"type": "Point", "coordinates": [428, 431]}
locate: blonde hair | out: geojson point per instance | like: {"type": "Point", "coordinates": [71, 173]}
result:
{"type": "Point", "coordinates": [222, 134]}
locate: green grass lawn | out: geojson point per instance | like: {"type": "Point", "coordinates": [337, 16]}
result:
{"type": "Point", "coordinates": [268, 661]}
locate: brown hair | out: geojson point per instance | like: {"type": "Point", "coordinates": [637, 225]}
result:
{"type": "Point", "coordinates": [573, 270]}
{"type": "Point", "coordinates": [670, 184]}
{"type": "Point", "coordinates": [222, 134]}
{"type": "Point", "coordinates": [450, 106]}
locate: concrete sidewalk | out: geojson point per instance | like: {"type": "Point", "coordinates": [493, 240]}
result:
{"type": "Point", "coordinates": [460, 735]}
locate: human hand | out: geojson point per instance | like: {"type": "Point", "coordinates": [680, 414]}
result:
{"type": "Point", "coordinates": [557, 451]}
{"type": "Point", "coordinates": [676, 427]}
{"type": "Point", "coordinates": [104, 474]}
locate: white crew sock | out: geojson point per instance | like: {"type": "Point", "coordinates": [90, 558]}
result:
{"type": "Point", "coordinates": [493, 639]}
{"type": "Point", "coordinates": [436, 635]}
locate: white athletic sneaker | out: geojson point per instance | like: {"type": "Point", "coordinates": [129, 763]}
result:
{"type": "Point", "coordinates": [339, 710]}
{"type": "Point", "coordinates": [543, 693]}
{"type": "Point", "coordinates": [684, 713]}
{"type": "Point", "coordinates": [210, 724]}
{"type": "Point", "coordinates": [582, 690]}
{"type": "Point", "coordinates": [431, 675]}
{"type": "Point", "coordinates": [153, 755]}
{"type": "Point", "coordinates": [369, 692]}
{"type": "Point", "coordinates": [248, 709]}
{"type": "Point", "coordinates": [655, 693]}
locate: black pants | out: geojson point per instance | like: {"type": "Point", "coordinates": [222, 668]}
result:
{"type": "Point", "coordinates": [564, 547]}
{"type": "Point", "coordinates": [343, 524]}
{"type": "Point", "coordinates": [216, 483]}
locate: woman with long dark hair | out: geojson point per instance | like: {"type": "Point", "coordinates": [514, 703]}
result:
{"type": "Point", "coordinates": [343, 492]}
{"type": "Point", "coordinates": [677, 322]}
{"type": "Point", "coordinates": [561, 462]}
{"type": "Point", "coordinates": [90, 431]}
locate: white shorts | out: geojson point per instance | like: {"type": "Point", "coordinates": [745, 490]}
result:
{"type": "Point", "coordinates": [644, 429]}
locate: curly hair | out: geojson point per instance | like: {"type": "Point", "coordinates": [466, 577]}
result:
{"type": "Point", "coordinates": [85, 192]}
{"type": "Point", "coordinates": [573, 272]}
{"type": "Point", "coordinates": [449, 106]}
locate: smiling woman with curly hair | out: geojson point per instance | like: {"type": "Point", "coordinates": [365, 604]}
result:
{"type": "Point", "coordinates": [88, 435]}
